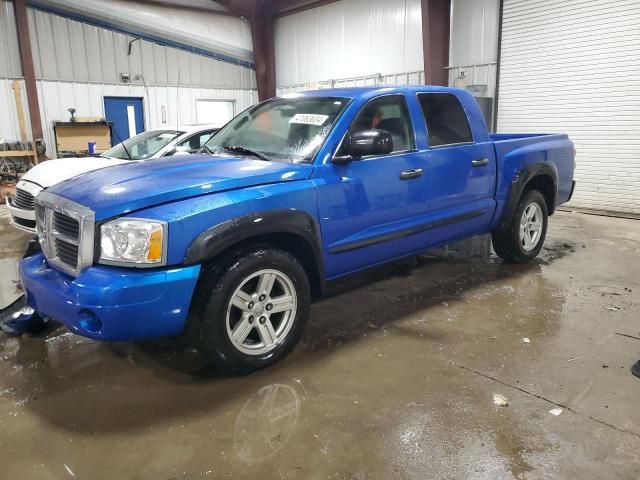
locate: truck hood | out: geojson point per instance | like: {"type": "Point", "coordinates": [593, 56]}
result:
{"type": "Point", "coordinates": [134, 186]}
{"type": "Point", "coordinates": [51, 172]}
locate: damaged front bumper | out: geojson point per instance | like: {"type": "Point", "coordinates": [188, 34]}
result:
{"type": "Point", "coordinates": [108, 303]}
{"type": "Point", "coordinates": [19, 318]}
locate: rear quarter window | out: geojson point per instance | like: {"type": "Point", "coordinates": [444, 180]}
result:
{"type": "Point", "coordinates": [447, 121]}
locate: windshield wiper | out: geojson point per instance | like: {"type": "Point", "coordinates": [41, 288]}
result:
{"type": "Point", "coordinates": [123, 146]}
{"type": "Point", "coordinates": [247, 151]}
{"type": "Point", "coordinates": [205, 149]}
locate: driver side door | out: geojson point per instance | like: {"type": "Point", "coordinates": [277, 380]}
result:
{"type": "Point", "coordinates": [375, 208]}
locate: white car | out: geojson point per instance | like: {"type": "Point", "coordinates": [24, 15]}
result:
{"type": "Point", "coordinates": [145, 146]}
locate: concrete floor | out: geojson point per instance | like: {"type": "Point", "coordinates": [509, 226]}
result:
{"type": "Point", "coordinates": [395, 378]}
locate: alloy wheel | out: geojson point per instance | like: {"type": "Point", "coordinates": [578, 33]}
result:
{"type": "Point", "coordinates": [261, 312]}
{"type": "Point", "coordinates": [531, 224]}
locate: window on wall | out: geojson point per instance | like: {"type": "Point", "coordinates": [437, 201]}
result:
{"type": "Point", "coordinates": [446, 119]}
{"type": "Point", "coordinates": [214, 112]}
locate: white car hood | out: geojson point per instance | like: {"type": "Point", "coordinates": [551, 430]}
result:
{"type": "Point", "coordinates": [51, 172]}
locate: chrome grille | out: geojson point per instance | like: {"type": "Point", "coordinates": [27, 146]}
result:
{"type": "Point", "coordinates": [66, 252]}
{"type": "Point", "coordinates": [66, 232]}
{"type": "Point", "coordinates": [23, 200]}
{"type": "Point", "coordinates": [66, 226]}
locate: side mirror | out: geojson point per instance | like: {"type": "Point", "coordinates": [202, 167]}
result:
{"type": "Point", "coordinates": [365, 143]}
{"type": "Point", "coordinates": [170, 152]}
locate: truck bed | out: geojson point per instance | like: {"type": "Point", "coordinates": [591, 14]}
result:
{"type": "Point", "coordinates": [514, 151]}
{"type": "Point", "coordinates": [502, 137]}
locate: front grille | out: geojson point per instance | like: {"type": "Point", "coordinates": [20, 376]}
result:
{"type": "Point", "coordinates": [65, 225]}
{"type": "Point", "coordinates": [66, 232]}
{"type": "Point", "coordinates": [66, 252]}
{"type": "Point", "coordinates": [23, 200]}
{"type": "Point", "coordinates": [24, 222]}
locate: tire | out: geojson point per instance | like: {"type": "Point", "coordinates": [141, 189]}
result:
{"type": "Point", "coordinates": [515, 245]}
{"type": "Point", "coordinates": [229, 301]}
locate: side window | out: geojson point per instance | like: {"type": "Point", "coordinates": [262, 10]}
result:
{"type": "Point", "coordinates": [388, 113]}
{"type": "Point", "coordinates": [194, 142]}
{"type": "Point", "coordinates": [447, 121]}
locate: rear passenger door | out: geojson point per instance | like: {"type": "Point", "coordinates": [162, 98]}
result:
{"type": "Point", "coordinates": [462, 172]}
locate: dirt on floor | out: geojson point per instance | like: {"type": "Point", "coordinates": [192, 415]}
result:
{"type": "Point", "coordinates": [403, 372]}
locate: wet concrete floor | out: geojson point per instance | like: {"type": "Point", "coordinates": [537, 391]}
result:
{"type": "Point", "coordinates": [395, 378]}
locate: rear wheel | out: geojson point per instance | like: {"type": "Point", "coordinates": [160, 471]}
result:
{"type": "Point", "coordinates": [525, 236]}
{"type": "Point", "coordinates": [251, 310]}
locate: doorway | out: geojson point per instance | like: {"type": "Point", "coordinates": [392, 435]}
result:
{"type": "Point", "coordinates": [126, 115]}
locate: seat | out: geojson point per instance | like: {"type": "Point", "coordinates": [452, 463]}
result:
{"type": "Point", "coordinates": [399, 132]}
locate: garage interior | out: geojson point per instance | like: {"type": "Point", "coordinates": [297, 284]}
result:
{"type": "Point", "coordinates": [452, 364]}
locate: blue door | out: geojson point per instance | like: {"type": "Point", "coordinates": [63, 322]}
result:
{"type": "Point", "coordinates": [462, 171]}
{"type": "Point", "coordinates": [126, 115]}
{"type": "Point", "coordinates": [376, 208]}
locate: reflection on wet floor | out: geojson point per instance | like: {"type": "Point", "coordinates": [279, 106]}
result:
{"type": "Point", "coordinates": [394, 378]}
{"type": "Point", "coordinates": [266, 422]}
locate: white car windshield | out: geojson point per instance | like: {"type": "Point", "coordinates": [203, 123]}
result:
{"type": "Point", "coordinates": [284, 130]}
{"type": "Point", "coordinates": [143, 146]}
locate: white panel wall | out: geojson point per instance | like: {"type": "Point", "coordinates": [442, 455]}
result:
{"type": "Point", "coordinates": [9, 54]}
{"type": "Point", "coordinates": [205, 29]}
{"type": "Point", "coordinates": [409, 78]}
{"type": "Point", "coordinates": [349, 38]}
{"type": "Point", "coordinates": [9, 130]}
{"type": "Point", "coordinates": [474, 31]}
{"type": "Point", "coordinates": [573, 67]}
{"type": "Point", "coordinates": [179, 103]}
{"type": "Point", "coordinates": [68, 50]}
{"type": "Point", "coordinates": [78, 64]}
{"type": "Point", "coordinates": [474, 43]}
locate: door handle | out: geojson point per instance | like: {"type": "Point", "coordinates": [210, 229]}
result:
{"type": "Point", "coordinates": [411, 173]}
{"type": "Point", "coordinates": [480, 163]}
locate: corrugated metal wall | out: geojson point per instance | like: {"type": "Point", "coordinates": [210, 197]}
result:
{"type": "Point", "coordinates": [410, 78]}
{"type": "Point", "coordinates": [349, 38]}
{"type": "Point", "coordinates": [9, 129]}
{"type": "Point", "coordinates": [77, 64]}
{"type": "Point", "coordinates": [355, 42]}
{"type": "Point", "coordinates": [56, 97]}
{"type": "Point", "coordinates": [223, 35]}
{"type": "Point", "coordinates": [573, 67]}
{"type": "Point", "coordinates": [179, 102]}
{"type": "Point", "coordinates": [9, 54]}
{"type": "Point", "coordinates": [68, 50]}
{"type": "Point", "coordinates": [473, 46]}
{"type": "Point", "coordinates": [474, 32]}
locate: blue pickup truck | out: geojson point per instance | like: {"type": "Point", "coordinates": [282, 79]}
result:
{"type": "Point", "coordinates": [230, 246]}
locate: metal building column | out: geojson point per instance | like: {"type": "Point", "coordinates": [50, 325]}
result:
{"type": "Point", "coordinates": [28, 70]}
{"type": "Point", "coordinates": [263, 48]}
{"type": "Point", "coordinates": [435, 40]}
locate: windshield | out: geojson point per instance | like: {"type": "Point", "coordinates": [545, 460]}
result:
{"type": "Point", "coordinates": [143, 146]}
{"type": "Point", "coordinates": [284, 130]}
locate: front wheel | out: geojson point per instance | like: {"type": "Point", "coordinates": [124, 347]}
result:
{"type": "Point", "coordinates": [525, 236]}
{"type": "Point", "coordinates": [251, 310]}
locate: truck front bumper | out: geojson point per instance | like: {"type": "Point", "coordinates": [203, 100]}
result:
{"type": "Point", "coordinates": [24, 220]}
{"type": "Point", "coordinates": [107, 303]}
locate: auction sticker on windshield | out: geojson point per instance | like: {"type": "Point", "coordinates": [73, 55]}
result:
{"type": "Point", "coordinates": [309, 119]}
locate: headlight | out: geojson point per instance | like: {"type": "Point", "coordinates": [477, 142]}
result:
{"type": "Point", "coordinates": [133, 241]}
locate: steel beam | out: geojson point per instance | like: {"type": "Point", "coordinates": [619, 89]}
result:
{"type": "Point", "coordinates": [283, 8]}
{"type": "Point", "coordinates": [435, 40]}
{"type": "Point", "coordinates": [28, 70]}
{"type": "Point", "coordinates": [263, 48]}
